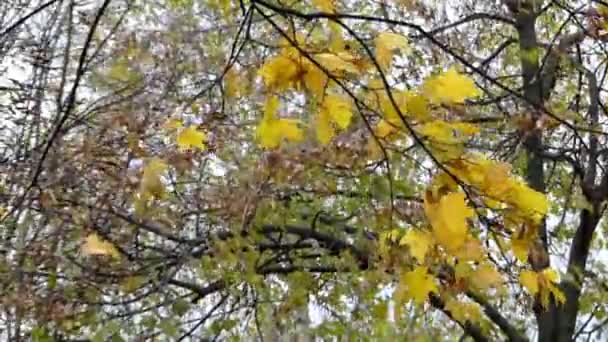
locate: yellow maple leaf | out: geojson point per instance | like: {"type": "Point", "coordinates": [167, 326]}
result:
{"type": "Point", "coordinates": [418, 241]}
{"type": "Point", "coordinates": [532, 203]}
{"type": "Point", "coordinates": [558, 295]}
{"type": "Point", "coordinates": [463, 270]}
{"type": "Point", "coordinates": [448, 219]}
{"type": "Point", "coordinates": [388, 110]}
{"type": "Point", "coordinates": [94, 245]}
{"type": "Point", "coordinates": [520, 248]}
{"type": "Point", "coordinates": [279, 73]}
{"type": "Point", "coordinates": [315, 80]}
{"type": "Point", "coordinates": [383, 129]}
{"type": "Point", "coordinates": [290, 129]}
{"type": "Point", "coordinates": [336, 40]}
{"type": "Point", "coordinates": [268, 134]}
{"type": "Point", "coordinates": [496, 179]}
{"type": "Point", "coordinates": [323, 127]}
{"type": "Point", "coordinates": [386, 44]}
{"type": "Point", "coordinates": [334, 109]}
{"type": "Point", "coordinates": [272, 131]}
{"type": "Point", "coordinates": [463, 311]}
{"type": "Point", "coordinates": [151, 185]}
{"type": "Point", "coordinates": [325, 5]}
{"type": "Point", "coordinates": [339, 109]}
{"type": "Point", "coordinates": [548, 280]}
{"type": "Point", "coordinates": [529, 280]}
{"type": "Point", "coordinates": [416, 285]}
{"type": "Point", "coordinates": [191, 137]}
{"type": "Point", "coordinates": [447, 132]}
{"type": "Point", "coordinates": [486, 276]}
{"type": "Point", "coordinates": [409, 104]}
{"type": "Point", "coordinates": [443, 180]}
{"type": "Point", "coordinates": [543, 283]}
{"type": "Point", "coordinates": [271, 106]}
{"type": "Point", "coordinates": [447, 138]}
{"type": "Point", "coordinates": [450, 87]}
{"type": "Point", "coordinates": [417, 105]}
{"type": "Point", "coordinates": [337, 63]}
{"type": "Point", "coordinates": [471, 169]}
{"type": "Point", "coordinates": [550, 275]}
{"type": "Point", "coordinates": [471, 250]}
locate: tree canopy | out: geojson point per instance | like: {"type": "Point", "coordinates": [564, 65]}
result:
{"type": "Point", "coordinates": [176, 170]}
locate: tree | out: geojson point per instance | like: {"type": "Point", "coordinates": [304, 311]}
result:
{"type": "Point", "coordinates": [212, 169]}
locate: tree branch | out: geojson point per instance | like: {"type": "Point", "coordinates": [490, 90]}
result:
{"type": "Point", "coordinates": [472, 17]}
{"type": "Point", "coordinates": [25, 18]}
{"type": "Point", "coordinates": [200, 291]}
{"type": "Point", "coordinates": [469, 328]}
{"type": "Point", "coordinates": [512, 334]}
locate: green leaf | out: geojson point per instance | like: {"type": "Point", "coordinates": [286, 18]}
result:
{"type": "Point", "coordinates": [131, 284]}
{"type": "Point", "coordinates": [149, 322]}
{"type": "Point", "coordinates": [52, 280]}
{"type": "Point", "coordinates": [180, 307]}
{"type": "Point", "coordinates": [169, 327]}
{"type": "Point", "coordinates": [41, 334]}
{"type": "Point", "coordinates": [117, 338]}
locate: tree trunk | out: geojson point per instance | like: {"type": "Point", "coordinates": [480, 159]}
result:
{"type": "Point", "coordinates": [533, 93]}
{"type": "Point", "coordinates": [555, 323]}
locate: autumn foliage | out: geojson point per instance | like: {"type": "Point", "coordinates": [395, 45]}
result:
{"type": "Point", "coordinates": [256, 169]}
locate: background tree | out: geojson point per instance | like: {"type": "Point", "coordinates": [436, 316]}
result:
{"type": "Point", "coordinates": [213, 169]}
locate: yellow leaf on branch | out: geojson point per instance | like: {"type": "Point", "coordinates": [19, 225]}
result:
{"type": "Point", "coordinates": [543, 283]}
{"type": "Point", "coordinates": [390, 112]}
{"type": "Point", "coordinates": [463, 311]}
{"type": "Point", "coordinates": [449, 220]}
{"type": "Point", "coordinates": [191, 137]}
{"type": "Point", "coordinates": [323, 127]}
{"type": "Point", "coordinates": [416, 285]}
{"type": "Point", "coordinates": [493, 179]}
{"type": "Point", "coordinates": [419, 243]}
{"type": "Point", "coordinates": [325, 5]}
{"type": "Point", "coordinates": [271, 131]}
{"type": "Point", "coordinates": [409, 104]}
{"type": "Point", "coordinates": [151, 185]}
{"type": "Point", "coordinates": [279, 73]}
{"type": "Point", "coordinates": [471, 250]}
{"type": "Point", "coordinates": [450, 87]}
{"type": "Point", "coordinates": [531, 202]}
{"type": "Point", "coordinates": [314, 79]}
{"type": "Point", "coordinates": [529, 279]}
{"type": "Point", "coordinates": [549, 280]}
{"type": "Point", "coordinates": [337, 63]}
{"type": "Point", "coordinates": [384, 129]}
{"type": "Point", "coordinates": [520, 248]}
{"type": "Point", "coordinates": [336, 38]}
{"type": "Point", "coordinates": [339, 109]}
{"type": "Point", "coordinates": [448, 132]}
{"type": "Point", "coordinates": [417, 106]}
{"type": "Point", "coordinates": [334, 110]}
{"type": "Point", "coordinates": [486, 276]}
{"type": "Point", "coordinates": [94, 245]}
{"type": "Point", "coordinates": [386, 45]}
